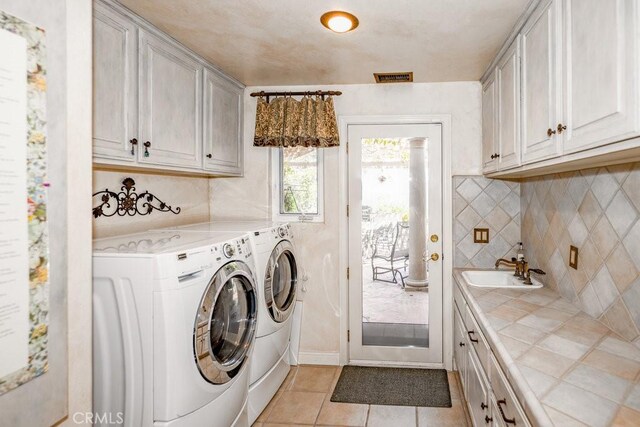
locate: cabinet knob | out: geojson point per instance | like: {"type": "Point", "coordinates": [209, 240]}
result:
{"type": "Point", "coordinates": [487, 419]}
{"type": "Point", "coordinates": [146, 148]}
{"type": "Point", "coordinates": [550, 132]}
{"type": "Point", "coordinates": [561, 127]}
{"type": "Point", "coordinates": [133, 143]}
{"type": "Point", "coordinates": [461, 344]}
{"type": "Point", "coordinates": [209, 156]}
{"type": "Point", "coordinates": [483, 406]}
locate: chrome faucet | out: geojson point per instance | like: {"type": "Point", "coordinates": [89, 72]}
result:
{"type": "Point", "coordinates": [520, 266]}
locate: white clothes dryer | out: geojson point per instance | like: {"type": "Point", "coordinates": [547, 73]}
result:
{"type": "Point", "coordinates": [273, 247]}
{"type": "Point", "coordinates": [174, 320]}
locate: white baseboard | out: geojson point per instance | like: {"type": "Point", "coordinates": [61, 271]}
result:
{"type": "Point", "coordinates": [318, 358]}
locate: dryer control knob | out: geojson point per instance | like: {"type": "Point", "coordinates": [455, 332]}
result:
{"type": "Point", "coordinates": [282, 231]}
{"type": "Point", "coordinates": [228, 250]}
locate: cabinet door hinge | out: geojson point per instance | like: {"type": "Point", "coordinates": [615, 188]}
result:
{"type": "Point", "coordinates": [347, 210]}
{"type": "Point", "coordinates": [347, 273]}
{"type": "Point", "coordinates": [347, 147]}
{"type": "Point", "coordinates": [348, 336]}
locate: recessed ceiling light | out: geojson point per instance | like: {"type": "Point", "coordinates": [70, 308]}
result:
{"type": "Point", "coordinates": [339, 21]}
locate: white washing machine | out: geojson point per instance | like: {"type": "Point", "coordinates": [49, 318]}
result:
{"type": "Point", "coordinates": [273, 247]}
{"type": "Point", "coordinates": [174, 321]}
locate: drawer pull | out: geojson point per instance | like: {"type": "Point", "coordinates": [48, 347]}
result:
{"type": "Point", "coordinates": [146, 148]}
{"type": "Point", "coordinates": [483, 406]}
{"type": "Point", "coordinates": [487, 419]}
{"type": "Point", "coordinates": [461, 344]}
{"type": "Point", "coordinates": [504, 418]}
{"type": "Point", "coordinates": [470, 338]}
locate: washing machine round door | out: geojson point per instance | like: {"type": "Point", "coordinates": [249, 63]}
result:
{"type": "Point", "coordinates": [281, 281]}
{"type": "Point", "coordinates": [225, 324]}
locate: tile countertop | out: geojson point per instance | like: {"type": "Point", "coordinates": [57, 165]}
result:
{"type": "Point", "coordinates": [566, 368]}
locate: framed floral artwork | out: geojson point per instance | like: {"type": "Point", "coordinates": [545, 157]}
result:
{"type": "Point", "coordinates": [36, 271]}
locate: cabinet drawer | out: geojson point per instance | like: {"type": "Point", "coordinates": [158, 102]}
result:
{"type": "Point", "coordinates": [477, 340]}
{"type": "Point", "coordinates": [508, 408]}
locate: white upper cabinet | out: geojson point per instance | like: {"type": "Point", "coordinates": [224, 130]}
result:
{"type": "Point", "coordinates": [170, 104]}
{"type": "Point", "coordinates": [540, 85]}
{"type": "Point", "coordinates": [508, 108]}
{"type": "Point", "coordinates": [222, 124]}
{"type": "Point", "coordinates": [115, 73]}
{"type": "Point", "coordinates": [489, 152]}
{"type": "Point", "coordinates": [148, 101]}
{"type": "Point", "coordinates": [600, 73]}
{"type": "Point", "coordinates": [578, 85]}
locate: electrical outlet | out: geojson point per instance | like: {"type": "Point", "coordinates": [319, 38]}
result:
{"type": "Point", "coordinates": [573, 257]}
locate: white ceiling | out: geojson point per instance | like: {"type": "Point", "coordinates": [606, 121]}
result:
{"type": "Point", "coordinates": [281, 42]}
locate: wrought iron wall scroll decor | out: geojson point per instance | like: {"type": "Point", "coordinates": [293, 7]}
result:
{"type": "Point", "coordinates": [129, 202]}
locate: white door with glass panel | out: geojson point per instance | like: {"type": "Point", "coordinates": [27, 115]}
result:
{"type": "Point", "coordinates": [395, 244]}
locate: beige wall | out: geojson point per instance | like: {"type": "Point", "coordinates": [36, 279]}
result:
{"type": "Point", "coordinates": [189, 193]}
{"type": "Point", "coordinates": [79, 63]}
{"type": "Point", "coordinates": [249, 197]}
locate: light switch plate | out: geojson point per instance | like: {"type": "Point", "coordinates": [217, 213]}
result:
{"type": "Point", "coordinates": [481, 235]}
{"type": "Point", "coordinates": [573, 257]}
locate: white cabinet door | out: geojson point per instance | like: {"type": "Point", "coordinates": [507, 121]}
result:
{"type": "Point", "coordinates": [222, 125]}
{"type": "Point", "coordinates": [600, 72]}
{"type": "Point", "coordinates": [489, 163]}
{"type": "Point", "coordinates": [508, 133]}
{"type": "Point", "coordinates": [477, 392]}
{"type": "Point", "coordinates": [540, 84]}
{"type": "Point", "coordinates": [115, 83]}
{"type": "Point", "coordinates": [170, 104]}
{"type": "Point", "coordinates": [461, 347]}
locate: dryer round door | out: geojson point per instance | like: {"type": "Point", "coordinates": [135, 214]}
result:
{"type": "Point", "coordinates": [281, 282]}
{"type": "Point", "coordinates": [225, 324]}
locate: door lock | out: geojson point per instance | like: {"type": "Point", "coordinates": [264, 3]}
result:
{"type": "Point", "coordinates": [435, 257]}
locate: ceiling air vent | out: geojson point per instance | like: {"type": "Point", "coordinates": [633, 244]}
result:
{"type": "Point", "coordinates": [406, 77]}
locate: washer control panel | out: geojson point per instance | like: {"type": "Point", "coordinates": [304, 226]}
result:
{"type": "Point", "coordinates": [237, 248]}
{"type": "Point", "coordinates": [281, 231]}
{"type": "Point", "coordinates": [228, 250]}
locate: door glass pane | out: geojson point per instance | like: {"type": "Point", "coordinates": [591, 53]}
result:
{"type": "Point", "coordinates": [395, 297]}
{"type": "Point", "coordinates": [284, 279]}
{"type": "Point", "coordinates": [230, 326]}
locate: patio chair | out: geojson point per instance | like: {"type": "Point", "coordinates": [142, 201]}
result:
{"type": "Point", "coordinates": [391, 246]}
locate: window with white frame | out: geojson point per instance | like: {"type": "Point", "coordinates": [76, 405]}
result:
{"type": "Point", "coordinates": [298, 184]}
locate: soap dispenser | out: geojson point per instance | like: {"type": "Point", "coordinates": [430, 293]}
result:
{"type": "Point", "coordinates": [520, 253]}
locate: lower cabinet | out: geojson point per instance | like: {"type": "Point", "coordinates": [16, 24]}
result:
{"type": "Point", "coordinates": [490, 399]}
{"type": "Point", "coordinates": [477, 392]}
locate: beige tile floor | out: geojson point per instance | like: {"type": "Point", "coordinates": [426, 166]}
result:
{"type": "Point", "coordinates": [304, 399]}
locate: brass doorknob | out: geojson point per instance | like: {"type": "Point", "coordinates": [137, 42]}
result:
{"type": "Point", "coordinates": [434, 238]}
{"type": "Point", "coordinates": [435, 257]}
